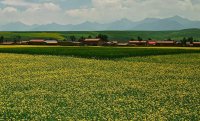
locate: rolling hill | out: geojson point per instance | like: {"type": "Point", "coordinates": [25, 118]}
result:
{"type": "Point", "coordinates": [112, 35]}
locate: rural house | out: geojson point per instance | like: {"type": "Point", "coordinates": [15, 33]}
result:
{"type": "Point", "coordinates": [179, 44]}
{"type": "Point", "coordinates": [112, 43]}
{"type": "Point", "coordinates": [24, 42]}
{"type": "Point", "coordinates": [137, 43]}
{"type": "Point", "coordinates": [165, 43]}
{"type": "Point", "coordinates": [7, 43]}
{"type": "Point", "coordinates": [37, 42]}
{"type": "Point", "coordinates": [196, 44]}
{"type": "Point", "coordinates": [151, 43]}
{"type": "Point", "coordinates": [122, 44]}
{"type": "Point", "coordinates": [189, 44]}
{"type": "Point", "coordinates": [51, 42]}
{"type": "Point", "coordinates": [93, 42]}
{"type": "Point", "coordinates": [76, 43]}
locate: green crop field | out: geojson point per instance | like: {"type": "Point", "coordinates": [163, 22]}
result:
{"type": "Point", "coordinates": [97, 52]}
{"type": "Point", "coordinates": [99, 83]}
{"type": "Point", "coordinates": [112, 35]}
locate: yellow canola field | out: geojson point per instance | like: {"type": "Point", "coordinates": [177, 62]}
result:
{"type": "Point", "coordinates": [39, 87]}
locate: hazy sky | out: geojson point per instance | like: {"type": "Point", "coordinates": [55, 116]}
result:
{"type": "Point", "coordinates": [102, 11]}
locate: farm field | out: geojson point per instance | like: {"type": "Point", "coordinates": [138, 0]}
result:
{"type": "Point", "coordinates": [97, 52]}
{"type": "Point", "coordinates": [112, 35]}
{"type": "Point", "coordinates": [99, 83]}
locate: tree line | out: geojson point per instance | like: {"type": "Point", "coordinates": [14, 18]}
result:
{"type": "Point", "coordinates": [82, 38]}
{"type": "Point", "coordinates": [184, 40]}
{"type": "Point", "coordinates": [15, 39]}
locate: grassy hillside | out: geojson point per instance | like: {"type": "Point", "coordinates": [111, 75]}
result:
{"type": "Point", "coordinates": [47, 87]}
{"type": "Point", "coordinates": [113, 35]}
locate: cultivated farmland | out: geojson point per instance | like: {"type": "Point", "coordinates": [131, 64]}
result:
{"type": "Point", "coordinates": [99, 83]}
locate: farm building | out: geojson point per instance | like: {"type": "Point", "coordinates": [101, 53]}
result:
{"type": "Point", "coordinates": [196, 44]}
{"type": "Point", "coordinates": [51, 42]}
{"type": "Point", "coordinates": [24, 42]}
{"type": "Point", "coordinates": [37, 42]}
{"type": "Point", "coordinates": [151, 43]}
{"type": "Point", "coordinates": [137, 43]}
{"type": "Point", "coordinates": [77, 43]}
{"type": "Point", "coordinates": [7, 43]}
{"type": "Point", "coordinates": [179, 44]}
{"type": "Point", "coordinates": [93, 42]}
{"type": "Point", "coordinates": [112, 43]}
{"type": "Point", "coordinates": [122, 44]}
{"type": "Point", "coordinates": [189, 44]}
{"type": "Point", "coordinates": [165, 43]}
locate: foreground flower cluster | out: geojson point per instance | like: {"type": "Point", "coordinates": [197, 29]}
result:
{"type": "Point", "coordinates": [65, 88]}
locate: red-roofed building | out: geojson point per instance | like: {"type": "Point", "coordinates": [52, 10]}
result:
{"type": "Point", "coordinates": [93, 42]}
{"type": "Point", "coordinates": [122, 44]}
{"type": "Point", "coordinates": [196, 44]}
{"type": "Point", "coordinates": [37, 42]}
{"type": "Point", "coordinates": [165, 43]}
{"type": "Point", "coordinates": [137, 43]}
{"type": "Point", "coordinates": [24, 42]}
{"type": "Point", "coordinates": [151, 43]}
{"type": "Point", "coordinates": [7, 43]}
{"type": "Point", "coordinates": [51, 42]}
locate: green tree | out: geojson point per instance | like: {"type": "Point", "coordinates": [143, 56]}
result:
{"type": "Point", "coordinates": [89, 37]}
{"type": "Point", "coordinates": [102, 37]}
{"type": "Point", "coordinates": [81, 39]}
{"type": "Point", "coordinates": [132, 39]}
{"type": "Point", "coordinates": [140, 38]}
{"type": "Point", "coordinates": [191, 40]}
{"type": "Point", "coordinates": [184, 41]}
{"type": "Point", "coordinates": [72, 38]}
{"type": "Point", "coordinates": [17, 39]}
{"type": "Point", "coordinates": [1, 39]}
{"type": "Point", "coordinates": [169, 39]}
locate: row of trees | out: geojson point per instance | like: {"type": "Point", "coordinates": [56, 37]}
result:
{"type": "Point", "coordinates": [101, 36]}
{"type": "Point", "coordinates": [1, 39]}
{"type": "Point", "coordinates": [184, 40]}
{"type": "Point", "coordinates": [138, 38]}
{"type": "Point", "coordinates": [105, 38]}
{"type": "Point", "coordinates": [15, 39]}
{"type": "Point", "coordinates": [141, 39]}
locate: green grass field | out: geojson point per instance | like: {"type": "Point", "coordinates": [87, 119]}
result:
{"type": "Point", "coordinates": [97, 52]}
{"type": "Point", "coordinates": [113, 35]}
{"type": "Point", "coordinates": [99, 83]}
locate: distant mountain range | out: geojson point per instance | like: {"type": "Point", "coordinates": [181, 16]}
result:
{"type": "Point", "coordinates": [148, 24]}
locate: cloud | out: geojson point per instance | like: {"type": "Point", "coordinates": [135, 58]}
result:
{"type": "Point", "coordinates": [33, 13]}
{"type": "Point", "coordinates": [48, 7]}
{"type": "Point", "coordinates": [8, 14]}
{"type": "Point", "coordinates": [9, 10]}
{"type": "Point", "coordinates": [43, 13]}
{"type": "Point", "coordinates": [16, 3]}
{"type": "Point", "coordinates": [103, 11]}
{"type": "Point", "coordinates": [109, 10]}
